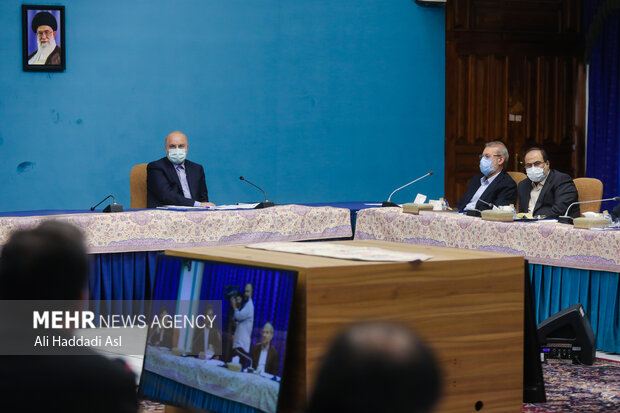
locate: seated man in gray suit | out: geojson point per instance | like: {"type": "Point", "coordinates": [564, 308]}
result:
{"type": "Point", "coordinates": [546, 191]}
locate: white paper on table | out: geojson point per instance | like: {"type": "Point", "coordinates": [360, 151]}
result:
{"type": "Point", "coordinates": [419, 199]}
{"type": "Point", "coordinates": [184, 208]}
{"type": "Point", "coordinates": [347, 252]}
{"type": "Point", "coordinates": [236, 206]}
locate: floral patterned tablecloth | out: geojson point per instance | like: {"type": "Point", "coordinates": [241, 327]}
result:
{"type": "Point", "coordinates": [540, 242]}
{"type": "Point", "coordinates": [247, 388]}
{"type": "Point", "coordinates": [154, 230]}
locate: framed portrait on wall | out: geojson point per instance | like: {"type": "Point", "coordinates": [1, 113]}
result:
{"type": "Point", "coordinates": [43, 38]}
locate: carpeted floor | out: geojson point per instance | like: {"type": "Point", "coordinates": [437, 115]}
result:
{"type": "Point", "coordinates": [580, 388]}
{"type": "Point", "coordinates": [569, 388]}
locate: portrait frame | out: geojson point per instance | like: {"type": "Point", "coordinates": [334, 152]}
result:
{"type": "Point", "coordinates": [55, 60]}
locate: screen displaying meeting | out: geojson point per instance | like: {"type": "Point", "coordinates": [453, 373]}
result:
{"type": "Point", "coordinates": [217, 335]}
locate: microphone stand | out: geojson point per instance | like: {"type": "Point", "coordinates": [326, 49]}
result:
{"type": "Point", "coordinates": [566, 219]}
{"type": "Point", "coordinates": [265, 204]}
{"type": "Point", "coordinates": [247, 358]}
{"type": "Point", "coordinates": [114, 207]}
{"type": "Point", "coordinates": [388, 203]}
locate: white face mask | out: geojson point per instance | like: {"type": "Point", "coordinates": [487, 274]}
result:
{"type": "Point", "coordinates": [535, 174]}
{"type": "Point", "coordinates": [176, 156]}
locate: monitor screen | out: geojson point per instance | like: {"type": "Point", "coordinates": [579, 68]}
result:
{"type": "Point", "coordinates": [219, 342]}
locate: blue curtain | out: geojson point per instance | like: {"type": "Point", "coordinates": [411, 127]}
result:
{"type": "Point", "coordinates": [272, 294]}
{"type": "Point", "coordinates": [557, 288]}
{"type": "Point", "coordinates": [120, 282]}
{"type": "Point", "coordinates": [602, 28]}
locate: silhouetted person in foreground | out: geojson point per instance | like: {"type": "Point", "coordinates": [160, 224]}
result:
{"type": "Point", "coordinates": [376, 367]}
{"type": "Point", "coordinates": [50, 262]}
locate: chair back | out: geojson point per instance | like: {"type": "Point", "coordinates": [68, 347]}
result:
{"type": "Point", "coordinates": [137, 186]}
{"type": "Point", "coordinates": [589, 189]}
{"type": "Point", "coordinates": [517, 177]}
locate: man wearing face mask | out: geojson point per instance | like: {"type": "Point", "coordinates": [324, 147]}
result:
{"type": "Point", "coordinates": [546, 191]}
{"type": "Point", "coordinates": [493, 185]}
{"type": "Point", "coordinates": [173, 180]}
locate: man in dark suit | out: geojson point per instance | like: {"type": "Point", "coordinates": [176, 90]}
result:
{"type": "Point", "coordinates": [173, 180]}
{"type": "Point", "coordinates": [209, 336]}
{"type": "Point", "coordinates": [50, 262]}
{"type": "Point", "coordinates": [546, 191]}
{"type": "Point", "coordinates": [615, 213]}
{"type": "Point", "coordinates": [493, 186]}
{"type": "Point", "coordinates": [265, 358]}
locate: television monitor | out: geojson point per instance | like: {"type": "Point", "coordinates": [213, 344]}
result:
{"type": "Point", "coordinates": [234, 364]}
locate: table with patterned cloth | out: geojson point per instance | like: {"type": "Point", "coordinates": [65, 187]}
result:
{"type": "Point", "coordinates": [567, 265]}
{"type": "Point", "coordinates": [125, 245]}
{"type": "Point", "coordinates": [247, 388]}
{"type": "Point", "coordinates": [540, 242]}
{"type": "Point", "coordinates": [156, 230]}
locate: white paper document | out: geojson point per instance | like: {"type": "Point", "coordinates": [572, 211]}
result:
{"type": "Point", "coordinates": [208, 208]}
{"type": "Point", "coordinates": [183, 208]}
{"type": "Point", "coordinates": [236, 206]}
{"type": "Point", "coordinates": [347, 252]}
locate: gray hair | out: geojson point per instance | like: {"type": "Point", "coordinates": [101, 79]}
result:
{"type": "Point", "coordinates": [501, 149]}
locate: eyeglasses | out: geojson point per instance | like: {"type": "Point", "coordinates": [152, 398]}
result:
{"type": "Point", "coordinates": [46, 33]}
{"type": "Point", "coordinates": [488, 156]}
{"type": "Point", "coordinates": [537, 164]}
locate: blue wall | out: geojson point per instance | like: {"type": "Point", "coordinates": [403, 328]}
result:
{"type": "Point", "coordinates": [314, 100]}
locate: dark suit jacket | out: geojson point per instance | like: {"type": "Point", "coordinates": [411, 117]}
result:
{"type": "Point", "coordinates": [556, 195]}
{"type": "Point", "coordinates": [273, 360]}
{"type": "Point", "coordinates": [161, 340]}
{"type": "Point", "coordinates": [215, 338]}
{"type": "Point", "coordinates": [615, 213]}
{"type": "Point", "coordinates": [502, 191]}
{"type": "Point", "coordinates": [54, 58]}
{"type": "Point", "coordinates": [164, 188]}
{"type": "Point", "coordinates": [67, 384]}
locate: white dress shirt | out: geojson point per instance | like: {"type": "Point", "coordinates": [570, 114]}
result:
{"type": "Point", "coordinates": [484, 184]}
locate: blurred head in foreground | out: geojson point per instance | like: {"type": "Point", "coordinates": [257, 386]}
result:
{"type": "Point", "coordinates": [48, 262]}
{"type": "Point", "coordinates": [376, 367]}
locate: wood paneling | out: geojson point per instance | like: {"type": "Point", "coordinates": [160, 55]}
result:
{"type": "Point", "coordinates": [467, 304]}
{"type": "Point", "coordinates": [513, 73]}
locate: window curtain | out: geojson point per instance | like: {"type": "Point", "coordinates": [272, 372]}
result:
{"type": "Point", "coordinates": [602, 29]}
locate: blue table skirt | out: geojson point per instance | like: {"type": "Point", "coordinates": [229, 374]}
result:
{"type": "Point", "coordinates": [130, 276]}
{"type": "Point", "coordinates": [123, 275]}
{"type": "Point", "coordinates": [556, 288]}
{"type": "Point", "coordinates": [159, 388]}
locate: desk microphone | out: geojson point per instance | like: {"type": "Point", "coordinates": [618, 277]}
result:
{"type": "Point", "coordinates": [566, 219]}
{"type": "Point", "coordinates": [114, 207]}
{"type": "Point", "coordinates": [488, 203]}
{"type": "Point", "coordinates": [237, 352]}
{"type": "Point", "coordinates": [392, 204]}
{"type": "Point", "coordinates": [267, 203]}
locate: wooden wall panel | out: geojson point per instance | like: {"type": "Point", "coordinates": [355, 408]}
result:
{"type": "Point", "coordinates": [513, 73]}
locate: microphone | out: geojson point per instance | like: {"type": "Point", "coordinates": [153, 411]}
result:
{"type": "Point", "coordinates": [392, 204]}
{"type": "Point", "coordinates": [267, 203]}
{"type": "Point", "coordinates": [114, 207]}
{"type": "Point", "coordinates": [488, 203]}
{"type": "Point", "coordinates": [566, 219]}
{"type": "Point", "coordinates": [473, 213]}
{"type": "Point", "coordinates": [237, 352]}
